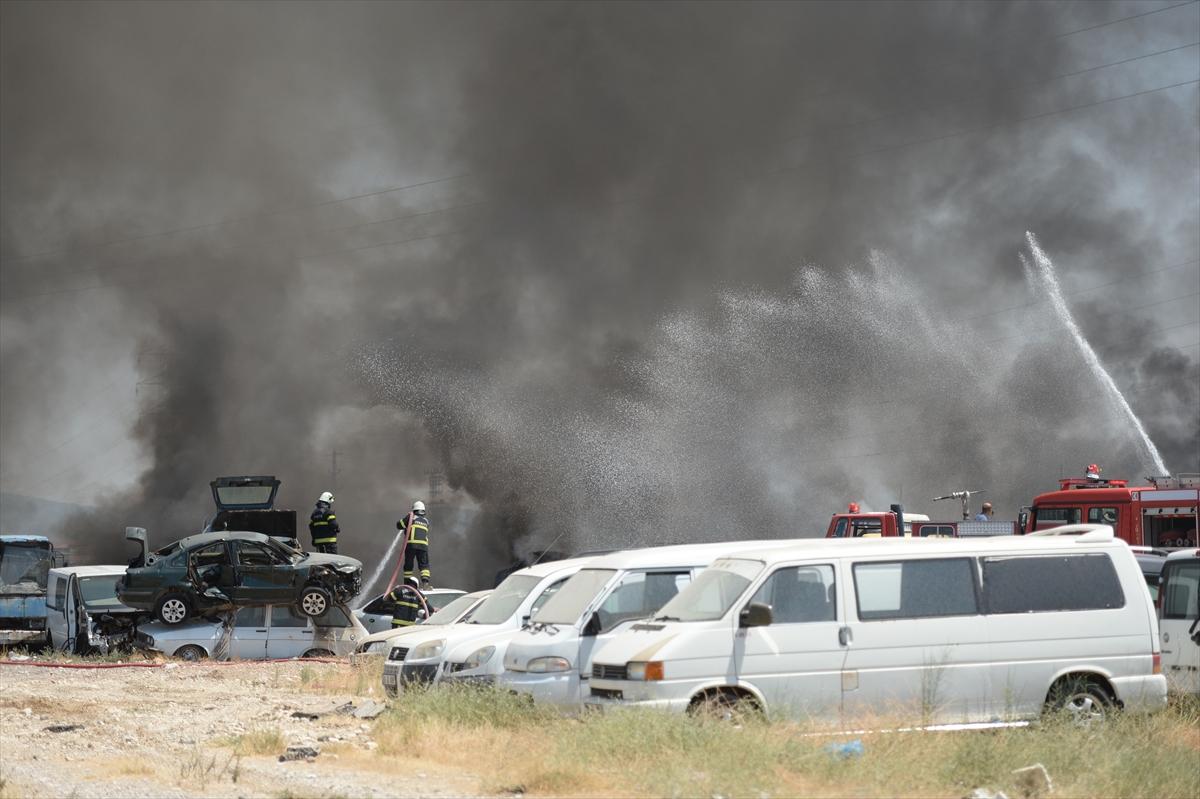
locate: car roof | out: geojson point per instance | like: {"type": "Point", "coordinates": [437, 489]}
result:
{"type": "Point", "coordinates": [224, 535]}
{"type": "Point", "coordinates": [682, 554]}
{"type": "Point", "coordinates": [1184, 553]}
{"type": "Point", "coordinates": [1004, 544]}
{"type": "Point", "coordinates": [90, 571]}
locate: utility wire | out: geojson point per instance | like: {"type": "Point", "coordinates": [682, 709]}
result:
{"type": "Point", "coordinates": [31, 461]}
{"type": "Point", "coordinates": [1105, 316]}
{"type": "Point", "coordinates": [405, 187]}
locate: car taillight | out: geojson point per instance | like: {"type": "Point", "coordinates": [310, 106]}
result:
{"type": "Point", "coordinates": [1157, 663]}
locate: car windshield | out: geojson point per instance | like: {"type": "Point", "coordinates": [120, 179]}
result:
{"type": "Point", "coordinates": [566, 606]}
{"type": "Point", "coordinates": [288, 554]}
{"type": "Point", "coordinates": [100, 592]}
{"type": "Point", "coordinates": [712, 594]}
{"type": "Point", "coordinates": [504, 600]}
{"type": "Point", "coordinates": [450, 612]}
{"type": "Point", "coordinates": [24, 566]}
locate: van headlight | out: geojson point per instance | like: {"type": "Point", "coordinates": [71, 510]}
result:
{"type": "Point", "coordinates": [652, 670]}
{"type": "Point", "coordinates": [429, 649]}
{"type": "Point", "coordinates": [479, 657]}
{"type": "Point", "coordinates": [545, 665]}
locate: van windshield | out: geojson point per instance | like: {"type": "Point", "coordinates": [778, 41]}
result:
{"type": "Point", "coordinates": [100, 593]}
{"type": "Point", "coordinates": [505, 599]}
{"type": "Point", "coordinates": [566, 606]}
{"type": "Point", "coordinates": [451, 611]}
{"type": "Point", "coordinates": [713, 593]}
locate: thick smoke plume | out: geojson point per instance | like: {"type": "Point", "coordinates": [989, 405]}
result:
{"type": "Point", "coordinates": [620, 273]}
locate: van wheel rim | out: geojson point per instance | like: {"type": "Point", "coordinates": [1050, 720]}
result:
{"type": "Point", "coordinates": [313, 604]}
{"type": "Point", "coordinates": [1085, 710]}
{"type": "Point", "coordinates": [173, 611]}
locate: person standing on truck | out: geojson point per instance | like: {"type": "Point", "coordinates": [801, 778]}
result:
{"type": "Point", "coordinates": [323, 526]}
{"type": "Point", "coordinates": [416, 548]}
{"type": "Point", "coordinates": [986, 513]}
{"type": "Point", "coordinates": [406, 602]}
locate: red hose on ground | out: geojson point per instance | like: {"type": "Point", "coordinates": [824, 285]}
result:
{"type": "Point", "coordinates": [159, 665]}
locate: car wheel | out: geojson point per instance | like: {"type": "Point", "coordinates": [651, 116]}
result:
{"type": "Point", "coordinates": [318, 653]}
{"type": "Point", "coordinates": [314, 601]}
{"type": "Point", "coordinates": [191, 653]}
{"type": "Point", "coordinates": [1085, 704]}
{"type": "Point", "coordinates": [173, 609]}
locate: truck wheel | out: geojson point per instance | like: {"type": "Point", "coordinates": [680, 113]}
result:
{"type": "Point", "coordinates": [191, 653]}
{"type": "Point", "coordinates": [314, 600]}
{"type": "Point", "coordinates": [173, 609]}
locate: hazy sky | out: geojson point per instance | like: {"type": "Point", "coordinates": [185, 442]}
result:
{"type": "Point", "coordinates": [623, 273]}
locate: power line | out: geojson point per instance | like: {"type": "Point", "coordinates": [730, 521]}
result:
{"type": "Point", "coordinates": [1105, 316]}
{"type": "Point", "coordinates": [99, 422]}
{"type": "Point", "coordinates": [471, 173]}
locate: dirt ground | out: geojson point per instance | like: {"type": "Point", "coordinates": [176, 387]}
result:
{"type": "Point", "coordinates": [166, 732]}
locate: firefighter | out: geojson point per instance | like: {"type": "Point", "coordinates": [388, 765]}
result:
{"type": "Point", "coordinates": [406, 602]}
{"type": "Point", "coordinates": [416, 548]}
{"type": "Point", "coordinates": [986, 513]}
{"type": "Point", "coordinates": [323, 526]}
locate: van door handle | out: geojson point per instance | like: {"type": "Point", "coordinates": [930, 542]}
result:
{"type": "Point", "coordinates": [845, 636]}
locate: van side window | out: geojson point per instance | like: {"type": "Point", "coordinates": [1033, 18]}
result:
{"type": "Point", "coordinates": [913, 589]}
{"type": "Point", "coordinates": [1182, 582]}
{"type": "Point", "coordinates": [1102, 515]}
{"type": "Point", "coordinates": [1035, 584]}
{"type": "Point", "coordinates": [799, 594]}
{"type": "Point", "coordinates": [60, 594]}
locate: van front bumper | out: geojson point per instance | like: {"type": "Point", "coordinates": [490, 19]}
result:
{"type": "Point", "coordinates": [556, 688]}
{"type": "Point", "coordinates": [674, 696]}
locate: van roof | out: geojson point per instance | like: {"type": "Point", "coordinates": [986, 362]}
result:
{"type": "Point", "coordinates": [841, 547]}
{"type": "Point", "coordinates": [684, 554]}
{"type": "Point", "coordinates": [90, 571]}
{"type": "Point", "coordinates": [552, 566]}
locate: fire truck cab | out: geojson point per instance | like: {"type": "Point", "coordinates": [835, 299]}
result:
{"type": "Point", "coordinates": [1161, 514]}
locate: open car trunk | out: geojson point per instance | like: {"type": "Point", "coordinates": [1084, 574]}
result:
{"type": "Point", "coordinates": [246, 504]}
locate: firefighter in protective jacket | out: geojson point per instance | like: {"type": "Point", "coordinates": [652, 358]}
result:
{"type": "Point", "coordinates": [406, 603]}
{"type": "Point", "coordinates": [323, 526]}
{"type": "Point", "coordinates": [416, 547]}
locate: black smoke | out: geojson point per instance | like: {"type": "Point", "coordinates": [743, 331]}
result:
{"type": "Point", "coordinates": [662, 272]}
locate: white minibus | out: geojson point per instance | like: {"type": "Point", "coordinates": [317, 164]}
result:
{"type": "Point", "coordinates": [550, 659]}
{"type": "Point", "coordinates": [1179, 620]}
{"type": "Point", "coordinates": [941, 631]}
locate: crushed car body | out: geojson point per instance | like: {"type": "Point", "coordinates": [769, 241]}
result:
{"type": "Point", "coordinates": [260, 632]}
{"type": "Point", "coordinates": [222, 570]}
{"type": "Point", "coordinates": [83, 614]}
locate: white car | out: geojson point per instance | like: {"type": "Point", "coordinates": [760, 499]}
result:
{"type": "Point", "coordinates": [550, 660]}
{"type": "Point", "coordinates": [261, 632]}
{"type": "Point", "coordinates": [380, 643]}
{"type": "Point", "coordinates": [947, 630]}
{"type": "Point", "coordinates": [419, 659]}
{"type": "Point", "coordinates": [376, 615]}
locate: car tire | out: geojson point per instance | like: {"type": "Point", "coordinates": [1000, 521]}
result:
{"type": "Point", "coordinates": [191, 653]}
{"type": "Point", "coordinates": [314, 601]}
{"type": "Point", "coordinates": [1085, 704]}
{"type": "Point", "coordinates": [318, 653]}
{"type": "Point", "coordinates": [173, 609]}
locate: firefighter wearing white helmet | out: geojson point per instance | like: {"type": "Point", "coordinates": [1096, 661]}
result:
{"type": "Point", "coordinates": [416, 546]}
{"type": "Point", "coordinates": [323, 526]}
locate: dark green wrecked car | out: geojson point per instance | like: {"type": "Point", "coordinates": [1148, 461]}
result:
{"type": "Point", "coordinates": [218, 571]}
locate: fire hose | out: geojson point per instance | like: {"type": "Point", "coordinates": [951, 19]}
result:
{"type": "Point", "coordinates": [159, 665]}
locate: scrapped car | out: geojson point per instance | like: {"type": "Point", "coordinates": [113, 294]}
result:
{"type": "Point", "coordinates": [376, 615]}
{"type": "Point", "coordinates": [218, 571]}
{"type": "Point", "coordinates": [83, 613]}
{"type": "Point", "coordinates": [459, 610]}
{"type": "Point", "coordinates": [261, 632]}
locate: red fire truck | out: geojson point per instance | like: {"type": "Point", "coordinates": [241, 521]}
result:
{"type": "Point", "coordinates": [1160, 514]}
{"type": "Point", "coordinates": [898, 522]}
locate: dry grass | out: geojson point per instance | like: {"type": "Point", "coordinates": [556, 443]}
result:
{"type": "Point", "coordinates": [363, 678]}
{"type": "Point", "coordinates": [263, 741]}
{"type": "Point", "coordinates": [638, 753]}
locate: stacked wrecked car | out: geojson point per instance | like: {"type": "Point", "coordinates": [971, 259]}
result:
{"type": "Point", "coordinates": [220, 571]}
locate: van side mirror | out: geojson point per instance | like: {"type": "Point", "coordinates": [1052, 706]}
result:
{"type": "Point", "coordinates": [593, 626]}
{"type": "Point", "coordinates": [757, 615]}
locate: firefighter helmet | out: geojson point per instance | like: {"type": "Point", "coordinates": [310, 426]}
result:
{"type": "Point", "coordinates": [326, 497]}
{"type": "Point", "coordinates": [418, 507]}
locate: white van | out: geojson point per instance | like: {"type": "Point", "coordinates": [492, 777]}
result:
{"type": "Point", "coordinates": [418, 658]}
{"type": "Point", "coordinates": [82, 610]}
{"type": "Point", "coordinates": [944, 631]}
{"type": "Point", "coordinates": [1179, 620]}
{"type": "Point", "coordinates": [550, 659]}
